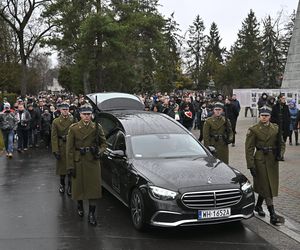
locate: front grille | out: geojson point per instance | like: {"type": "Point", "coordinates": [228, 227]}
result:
{"type": "Point", "coordinates": [212, 199]}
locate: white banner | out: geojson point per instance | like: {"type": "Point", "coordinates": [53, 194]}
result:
{"type": "Point", "coordinates": [250, 97]}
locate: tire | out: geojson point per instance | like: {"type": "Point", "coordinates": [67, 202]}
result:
{"type": "Point", "coordinates": [137, 210]}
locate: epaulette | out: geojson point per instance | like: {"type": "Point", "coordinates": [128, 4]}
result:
{"type": "Point", "coordinates": [274, 124]}
{"type": "Point", "coordinates": [72, 125]}
{"type": "Point", "coordinates": [254, 126]}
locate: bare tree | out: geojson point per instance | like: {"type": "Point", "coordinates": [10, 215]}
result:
{"type": "Point", "coordinates": [25, 19]}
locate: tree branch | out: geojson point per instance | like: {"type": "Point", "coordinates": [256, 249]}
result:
{"type": "Point", "coordinates": [14, 12]}
{"type": "Point", "coordinates": [7, 20]}
{"type": "Point", "coordinates": [37, 39]}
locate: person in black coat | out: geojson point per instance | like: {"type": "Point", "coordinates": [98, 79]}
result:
{"type": "Point", "coordinates": [281, 116]}
{"type": "Point", "coordinates": [263, 100]}
{"type": "Point", "coordinates": [23, 117]}
{"type": "Point", "coordinates": [46, 127]}
{"type": "Point", "coordinates": [232, 114]}
{"type": "Point", "coordinates": [186, 117]}
{"type": "Point", "coordinates": [197, 106]}
{"type": "Point", "coordinates": [34, 126]}
{"type": "Point", "coordinates": [203, 116]}
{"type": "Point", "coordinates": [187, 102]}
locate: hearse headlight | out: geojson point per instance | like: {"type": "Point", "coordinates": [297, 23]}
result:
{"type": "Point", "coordinates": [246, 187]}
{"type": "Point", "coordinates": [162, 194]}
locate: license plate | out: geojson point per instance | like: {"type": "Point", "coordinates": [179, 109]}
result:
{"type": "Point", "coordinates": [217, 213]}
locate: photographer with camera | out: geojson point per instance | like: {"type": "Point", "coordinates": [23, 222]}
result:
{"type": "Point", "coordinates": [8, 122]}
{"type": "Point", "coordinates": [24, 118]}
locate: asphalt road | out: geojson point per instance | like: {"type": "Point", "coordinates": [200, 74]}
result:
{"type": "Point", "coordinates": [33, 215]}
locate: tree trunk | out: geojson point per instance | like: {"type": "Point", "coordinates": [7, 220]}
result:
{"type": "Point", "coordinates": [24, 78]}
{"type": "Point", "coordinates": [86, 83]}
{"type": "Point", "coordinates": [99, 84]}
{"type": "Point", "coordinates": [99, 54]}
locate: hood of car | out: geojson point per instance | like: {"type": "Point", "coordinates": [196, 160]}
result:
{"type": "Point", "coordinates": [188, 174]}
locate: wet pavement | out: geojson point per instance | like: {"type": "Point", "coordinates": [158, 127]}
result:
{"type": "Point", "coordinates": [33, 215]}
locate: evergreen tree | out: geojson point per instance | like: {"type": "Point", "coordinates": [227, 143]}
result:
{"type": "Point", "coordinates": [169, 64]}
{"type": "Point", "coordinates": [246, 58]}
{"type": "Point", "coordinates": [78, 39]}
{"type": "Point", "coordinates": [143, 42]}
{"type": "Point", "coordinates": [110, 45]}
{"type": "Point", "coordinates": [214, 42]}
{"type": "Point", "coordinates": [196, 51]}
{"type": "Point", "coordinates": [272, 69]}
{"type": "Point", "coordinates": [212, 67]}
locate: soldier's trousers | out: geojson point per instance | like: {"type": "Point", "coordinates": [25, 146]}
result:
{"type": "Point", "coordinates": [269, 201]}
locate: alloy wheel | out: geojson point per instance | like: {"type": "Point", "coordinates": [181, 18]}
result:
{"type": "Point", "coordinates": [137, 209]}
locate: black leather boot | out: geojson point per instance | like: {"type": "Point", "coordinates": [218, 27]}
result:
{"type": "Point", "coordinates": [80, 210]}
{"type": "Point", "coordinates": [61, 189]}
{"type": "Point", "coordinates": [69, 189]}
{"type": "Point", "coordinates": [91, 218]}
{"type": "Point", "coordinates": [62, 184]}
{"type": "Point", "coordinates": [258, 208]}
{"type": "Point", "coordinates": [274, 218]}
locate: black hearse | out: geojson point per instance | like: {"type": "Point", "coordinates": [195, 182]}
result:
{"type": "Point", "coordinates": [161, 172]}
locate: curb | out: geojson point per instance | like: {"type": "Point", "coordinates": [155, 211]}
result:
{"type": "Point", "coordinates": [290, 228]}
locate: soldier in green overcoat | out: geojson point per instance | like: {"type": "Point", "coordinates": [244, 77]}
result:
{"type": "Point", "coordinates": [85, 143]}
{"type": "Point", "coordinates": [217, 132]}
{"type": "Point", "coordinates": [59, 131]}
{"type": "Point", "coordinates": [263, 148]}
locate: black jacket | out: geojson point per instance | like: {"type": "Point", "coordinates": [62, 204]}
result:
{"type": "Point", "coordinates": [35, 121]}
{"type": "Point", "coordinates": [281, 116]}
{"type": "Point", "coordinates": [46, 123]}
{"type": "Point", "coordinates": [231, 111]}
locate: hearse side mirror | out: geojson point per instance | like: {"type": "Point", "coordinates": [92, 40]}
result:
{"type": "Point", "coordinates": [212, 150]}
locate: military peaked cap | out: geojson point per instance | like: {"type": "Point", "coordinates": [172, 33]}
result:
{"type": "Point", "coordinates": [64, 105]}
{"type": "Point", "coordinates": [265, 110]}
{"type": "Point", "coordinates": [86, 108]}
{"type": "Point", "coordinates": [219, 105]}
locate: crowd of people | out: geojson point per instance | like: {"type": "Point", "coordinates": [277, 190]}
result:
{"type": "Point", "coordinates": [193, 109]}
{"type": "Point", "coordinates": [29, 119]}
{"type": "Point", "coordinates": [285, 115]}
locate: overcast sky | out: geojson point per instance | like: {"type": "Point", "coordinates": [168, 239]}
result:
{"type": "Point", "coordinates": [227, 14]}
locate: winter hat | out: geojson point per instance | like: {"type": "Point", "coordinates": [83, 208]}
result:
{"type": "Point", "coordinates": [6, 105]}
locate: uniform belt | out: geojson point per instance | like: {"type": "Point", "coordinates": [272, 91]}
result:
{"type": "Point", "coordinates": [266, 149]}
{"type": "Point", "coordinates": [84, 150]}
{"type": "Point", "coordinates": [217, 136]}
